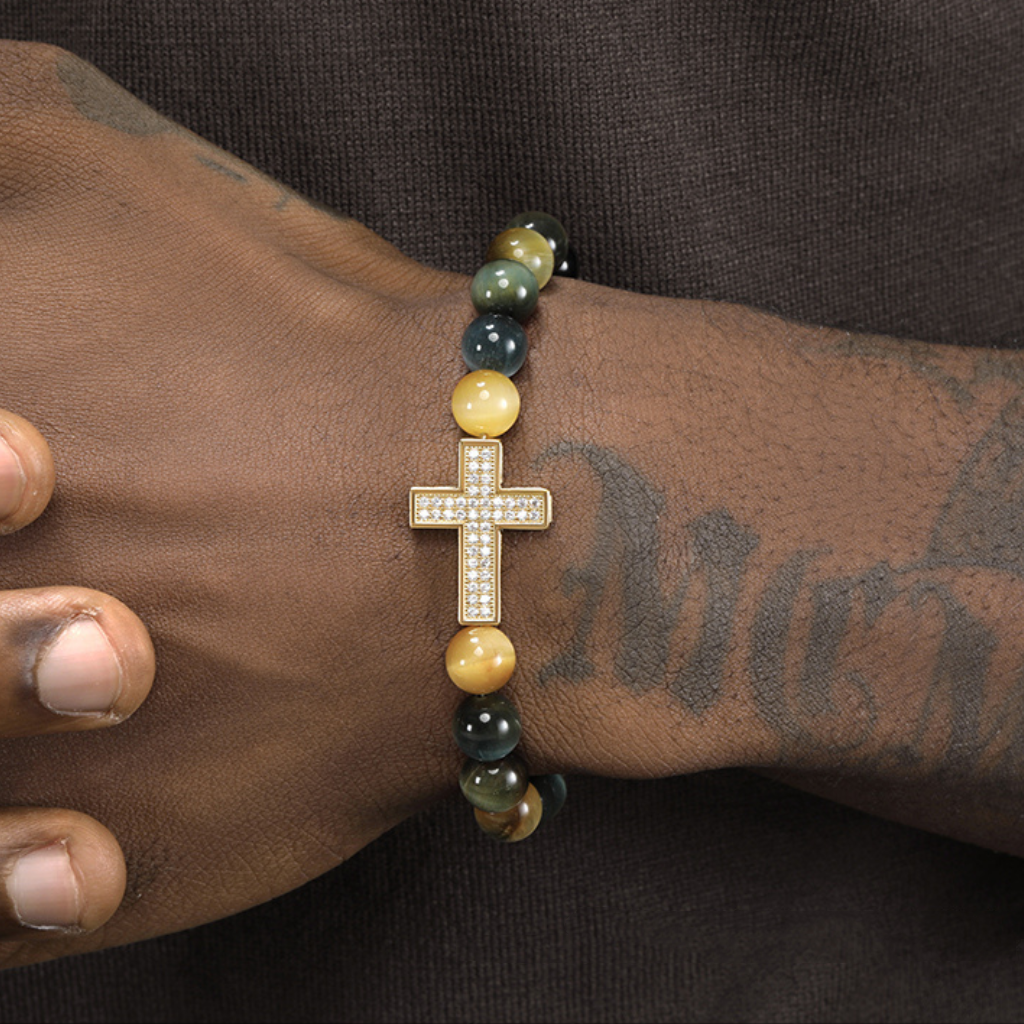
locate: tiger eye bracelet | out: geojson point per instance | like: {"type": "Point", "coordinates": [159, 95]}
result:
{"type": "Point", "coordinates": [507, 802]}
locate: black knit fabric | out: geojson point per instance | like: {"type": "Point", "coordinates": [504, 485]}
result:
{"type": "Point", "coordinates": [855, 164]}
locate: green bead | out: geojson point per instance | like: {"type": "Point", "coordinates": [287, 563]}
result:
{"type": "Point", "coordinates": [553, 792]}
{"type": "Point", "coordinates": [486, 727]}
{"type": "Point", "coordinates": [506, 287]}
{"type": "Point", "coordinates": [546, 225]}
{"type": "Point", "coordinates": [495, 785]}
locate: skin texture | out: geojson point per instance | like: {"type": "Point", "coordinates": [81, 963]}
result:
{"type": "Point", "coordinates": [773, 546]}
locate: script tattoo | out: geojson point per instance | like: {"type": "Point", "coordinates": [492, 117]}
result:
{"type": "Point", "coordinates": [982, 523]}
{"type": "Point", "coordinates": [801, 689]}
{"type": "Point", "coordinates": [627, 537]}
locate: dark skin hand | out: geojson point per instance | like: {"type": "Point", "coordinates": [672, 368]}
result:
{"type": "Point", "coordinates": [774, 546]}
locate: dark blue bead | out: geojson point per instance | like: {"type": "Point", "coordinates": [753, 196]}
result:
{"type": "Point", "coordinates": [569, 267]}
{"type": "Point", "coordinates": [553, 792]}
{"type": "Point", "coordinates": [486, 727]}
{"type": "Point", "coordinates": [494, 342]}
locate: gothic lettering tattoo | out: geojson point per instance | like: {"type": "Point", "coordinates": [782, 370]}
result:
{"type": "Point", "coordinates": [803, 689]}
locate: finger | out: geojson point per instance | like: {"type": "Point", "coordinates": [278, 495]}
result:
{"type": "Point", "coordinates": [63, 874]}
{"type": "Point", "coordinates": [26, 472]}
{"type": "Point", "coordinates": [70, 659]}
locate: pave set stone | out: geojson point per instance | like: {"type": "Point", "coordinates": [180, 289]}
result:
{"type": "Point", "coordinates": [483, 510]}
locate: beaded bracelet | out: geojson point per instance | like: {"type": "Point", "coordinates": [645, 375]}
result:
{"type": "Point", "coordinates": [480, 658]}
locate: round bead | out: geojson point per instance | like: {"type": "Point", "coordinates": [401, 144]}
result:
{"type": "Point", "coordinates": [515, 824]}
{"type": "Point", "coordinates": [480, 659]}
{"type": "Point", "coordinates": [494, 342]}
{"type": "Point", "coordinates": [494, 785]}
{"type": "Point", "coordinates": [553, 792]}
{"type": "Point", "coordinates": [487, 727]}
{"type": "Point", "coordinates": [485, 403]}
{"type": "Point", "coordinates": [506, 287]}
{"type": "Point", "coordinates": [527, 247]}
{"type": "Point", "coordinates": [544, 224]}
{"type": "Point", "coordinates": [570, 266]}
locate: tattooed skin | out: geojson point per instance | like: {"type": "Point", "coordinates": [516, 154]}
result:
{"type": "Point", "coordinates": [102, 100]}
{"type": "Point", "coordinates": [627, 535]}
{"type": "Point", "coordinates": [919, 358]}
{"type": "Point", "coordinates": [982, 523]}
{"type": "Point", "coordinates": [803, 686]}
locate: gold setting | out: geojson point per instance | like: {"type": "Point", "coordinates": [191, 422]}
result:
{"type": "Point", "coordinates": [479, 508]}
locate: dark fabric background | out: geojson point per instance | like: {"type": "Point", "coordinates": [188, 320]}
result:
{"type": "Point", "coordinates": [857, 164]}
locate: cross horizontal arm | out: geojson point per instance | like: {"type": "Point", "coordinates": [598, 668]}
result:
{"type": "Point", "coordinates": [480, 508]}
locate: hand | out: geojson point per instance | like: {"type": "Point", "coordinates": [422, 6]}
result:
{"type": "Point", "coordinates": [239, 389]}
{"type": "Point", "coordinates": [221, 368]}
{"type": "Point", "coordinates": [71, 660]}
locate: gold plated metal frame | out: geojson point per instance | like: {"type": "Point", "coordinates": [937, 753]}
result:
{"type": "Point", "coordinates": [479, 508]}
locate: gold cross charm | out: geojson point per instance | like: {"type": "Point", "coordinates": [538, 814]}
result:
{"type": "Point", "coordinates": [479, 508]}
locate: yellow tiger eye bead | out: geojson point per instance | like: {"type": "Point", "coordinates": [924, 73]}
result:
{"type": "Point", "coordinates": [518, 823]}
{"type": "Point", "coordinates": [485, 403]}
{"type": "Point", "coordinates": [480, 659]}
{"type": "Point", "coordinates": [527, 247]}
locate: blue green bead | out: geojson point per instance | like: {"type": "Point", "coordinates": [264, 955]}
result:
{"type": "Point", "coordinates": [494, 786]}
{"type": "Point", "coordinates": [553, 792]}
{"type": "Point", "coordinates": [506, 287]}
{"type": "Point", "coordinates": [494, 342]}
{"type": "Point", "coordinates": [569, 267]}
{"type": "Point", "coordinates": [546, 225]}
{"type": "Point", "coordinates": [487, 727]}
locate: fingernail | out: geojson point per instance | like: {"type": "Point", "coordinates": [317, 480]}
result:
{"type": "Point", "coordinates": [78, 672]}
{"type": "Point", "coordinates": [43, 888]}
{"type": "Point", "coordinates": [12, 480]}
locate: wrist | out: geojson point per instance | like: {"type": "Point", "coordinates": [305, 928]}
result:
{"type": "Point", "coordinates": [742, 513]}
{"type": "Point", "coordinates": [617, 674]}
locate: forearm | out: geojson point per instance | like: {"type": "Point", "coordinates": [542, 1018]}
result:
{"type": "Point", "coordinates": [774, 546]}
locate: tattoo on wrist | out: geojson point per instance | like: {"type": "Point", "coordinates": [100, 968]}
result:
{"type": "Point", "coordinates": [800, 688]}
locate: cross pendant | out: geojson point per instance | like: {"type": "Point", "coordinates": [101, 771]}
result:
{"type": "Point", "coordinates": [479, 508]}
